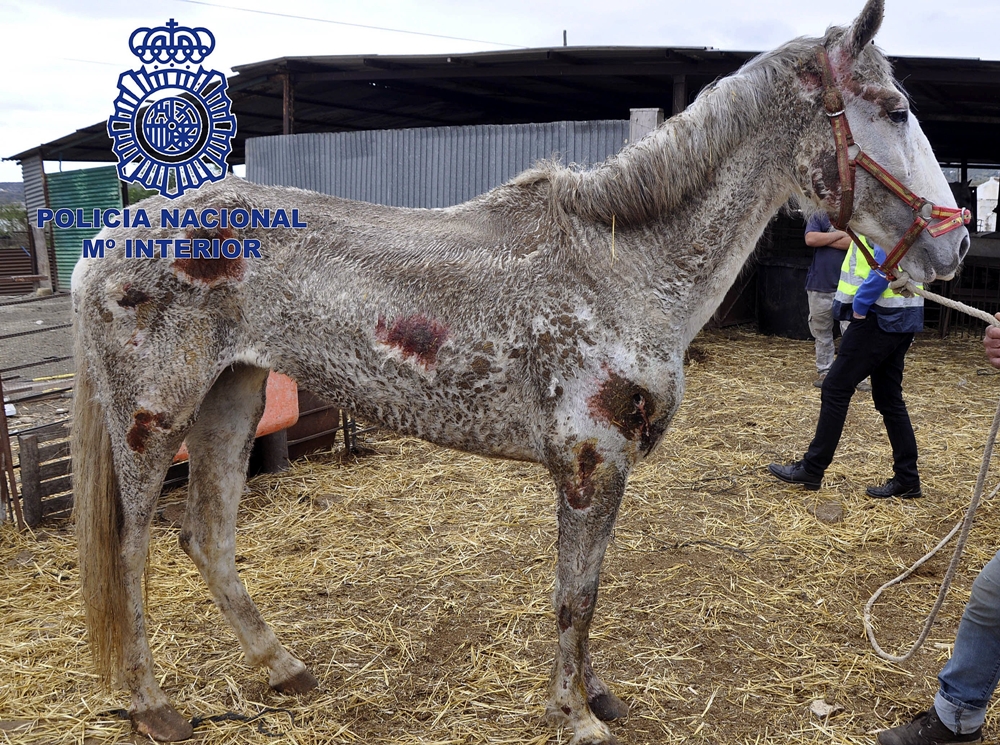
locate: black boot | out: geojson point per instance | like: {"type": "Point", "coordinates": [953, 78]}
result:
{"type": "Point", "coordinates": [892, 488]}
{"type": "Point", "coordinates": [926, 729]}
{"type": "Point", "coordinates": [795, 473]}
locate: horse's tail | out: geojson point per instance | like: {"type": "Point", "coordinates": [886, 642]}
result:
{"type": "Point", "coordinates": [98, 524]}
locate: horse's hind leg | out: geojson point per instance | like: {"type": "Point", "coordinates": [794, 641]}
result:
{"type": "Point", "coordinates": [219, 445]}
{"type": "Point", "coordinates": [151, 711]}
{"type": "Point", "coordinates": [590, 489]}
{"type": "Point", "coordinates": [122, 447]}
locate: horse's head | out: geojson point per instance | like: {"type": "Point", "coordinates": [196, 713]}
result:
{"type": "Point", "coordinates": [886, 131]}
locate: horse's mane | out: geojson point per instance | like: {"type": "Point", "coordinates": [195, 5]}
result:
{"type": "Point", "coordinates": [653, 176]}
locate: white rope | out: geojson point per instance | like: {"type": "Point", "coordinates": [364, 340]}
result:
{"type": "Point", "coordinates": [905, 285]}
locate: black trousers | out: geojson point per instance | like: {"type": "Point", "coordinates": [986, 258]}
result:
{"type": "Point", "coordinates": [866, 350]}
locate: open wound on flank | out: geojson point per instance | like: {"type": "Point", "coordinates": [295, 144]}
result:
{"type": "Point", "coordinates": [141, 308]}
{"type": "Point", "coordinates": [211, 271]}
{"type": "Point", "coordinates": [145, 422]}
{"type": "Point", "coordinates": [416, 337]}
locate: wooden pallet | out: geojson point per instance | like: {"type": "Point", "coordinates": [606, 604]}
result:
{"type": "Point", "coordinates": [46, 471]}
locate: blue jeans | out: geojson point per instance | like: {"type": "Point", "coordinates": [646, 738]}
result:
{"type": "Point", "coordinates": [969, 678]}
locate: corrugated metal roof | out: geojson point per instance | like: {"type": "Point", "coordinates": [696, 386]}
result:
{"type": "Point", "coordinates": [957, 100]}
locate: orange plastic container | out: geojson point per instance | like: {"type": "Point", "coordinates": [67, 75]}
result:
{"type": "Point", "coordinates": [280, 412]}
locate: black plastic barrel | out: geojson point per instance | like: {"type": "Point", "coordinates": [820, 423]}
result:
{"type": "Point", "coordinates": [782, 304]}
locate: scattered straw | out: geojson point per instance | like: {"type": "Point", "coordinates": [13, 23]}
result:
{"type": "Point", "coordinates": [416, 582]}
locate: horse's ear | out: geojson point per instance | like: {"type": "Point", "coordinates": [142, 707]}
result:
{"type": "Point", "coordinates": [865, 27]}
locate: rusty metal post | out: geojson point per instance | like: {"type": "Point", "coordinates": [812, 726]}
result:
{"type": "Point", "coordinates": [680, 95]}
{"type": "Point", "coordinates": [287, 104]}
{"type": "Point", "coordinates": [8, 483]}
{"type": "Point", "coordinates": [350, 433]}
{"type": "Point", "coordinates": [31, 479]}
{"type": "Point", "coordinates": [33, 173]}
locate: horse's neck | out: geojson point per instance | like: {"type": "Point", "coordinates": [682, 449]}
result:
{"type": "Point", "coordinates": [699, 192]}
{"type": "Point", "coordinates": [696, 254]}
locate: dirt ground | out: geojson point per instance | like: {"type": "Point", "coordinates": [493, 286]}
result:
{"type": "Point", "coordinates": [415, 582]}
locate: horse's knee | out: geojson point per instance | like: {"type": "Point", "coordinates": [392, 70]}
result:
{"type": "Point", "coordinates": [575, 609]}
{"type": "Point", "coordinates": [194, 546]}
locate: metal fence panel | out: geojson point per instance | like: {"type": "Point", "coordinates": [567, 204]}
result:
{"type": "Point", "coordinates": [15, 259]}
{"type": "Point", "coordinates": [428, 167]}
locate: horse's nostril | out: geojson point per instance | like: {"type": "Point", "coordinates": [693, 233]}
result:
{"type": "Point", "coordinates": [964, 248]}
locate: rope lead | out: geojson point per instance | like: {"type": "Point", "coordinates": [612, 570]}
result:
{"type": "Point", "coordinates": [905, 285]}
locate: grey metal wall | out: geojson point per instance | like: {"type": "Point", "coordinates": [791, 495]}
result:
{"type": "Point", "coordinates": [428, 167]}
{"type": "Point", "coordinates": [33, 175]}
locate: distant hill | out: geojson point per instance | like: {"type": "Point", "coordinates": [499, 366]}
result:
{"type": "Point", "coordinates": [11, 191]}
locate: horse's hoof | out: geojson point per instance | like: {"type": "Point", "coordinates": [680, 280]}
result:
{"type": "Point", "coordinates": [607, 707]}
{"type": "Point", "coordinates": [301, 682]}
{"type": "Point", "coordinates": [586, 731]}
{"type": "Point", "coordinates": [163, 724]}
{"type": "Point", "coordinates": [594, 738]}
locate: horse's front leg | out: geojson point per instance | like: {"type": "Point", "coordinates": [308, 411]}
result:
{"type": "Point", "coordinates": [590, 486]}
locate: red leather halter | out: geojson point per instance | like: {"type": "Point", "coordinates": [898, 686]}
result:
{"type": "Point", "coordinates": [850, 155]}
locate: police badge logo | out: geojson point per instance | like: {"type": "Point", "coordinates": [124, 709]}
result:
{"type": "Point", "coordinates": [173, 126]}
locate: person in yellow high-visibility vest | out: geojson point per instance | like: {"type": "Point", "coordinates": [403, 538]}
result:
{"type": "Point", "coordinates": [881, 330]}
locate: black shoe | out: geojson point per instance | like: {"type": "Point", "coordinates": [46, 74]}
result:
{"type": "Point", "coordinates": [926, 729]}
{"type": "Point", "coordinates": [893, 488]}
{"type": "Point", "coordinates": [795, 473]}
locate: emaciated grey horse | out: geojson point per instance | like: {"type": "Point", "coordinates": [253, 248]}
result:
{"type": "Point", "coordinates": [545, 320]}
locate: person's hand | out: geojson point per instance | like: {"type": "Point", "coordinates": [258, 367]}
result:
{"type": "Point", "coordinates": [992, 344]}
{"type": "Point", "coordinates": [861, 318]}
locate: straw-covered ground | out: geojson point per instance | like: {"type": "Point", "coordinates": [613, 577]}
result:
{"type": "Point", "coordinates": [415, 582]}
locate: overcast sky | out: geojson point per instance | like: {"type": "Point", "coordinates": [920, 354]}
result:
{"type": "Point", "coordinates": [60, 59]}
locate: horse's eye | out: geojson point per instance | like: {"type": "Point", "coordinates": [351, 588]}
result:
{"type": "Point", "coordinates": [899, 115]}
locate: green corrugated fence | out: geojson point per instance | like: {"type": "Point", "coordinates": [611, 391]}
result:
{"type": "Point", "coordinates": [87, 189]}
